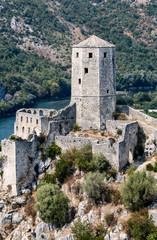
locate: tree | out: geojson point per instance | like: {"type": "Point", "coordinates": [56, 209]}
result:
{"type": "Point", "coordinates": [138, 191]}
{"type": "Point", "coordinates": [81, 231]}
{"type": "Point", "coordinates": [53, 151]}
{"type": "Point", "coordinates": [94, 187]}
{"type": "Point", "coordinates": [52, 204]}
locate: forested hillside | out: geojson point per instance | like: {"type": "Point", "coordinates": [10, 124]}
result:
{"type": "Point", "coordinates": [36, 38]}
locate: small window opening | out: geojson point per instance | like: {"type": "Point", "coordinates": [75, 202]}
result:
{"type": "Point", "coordinates": [31, 120]}
{"type": "Point", "coordinates": [90, 55]}
{"type": "Point", "coordinates": [105, 54]}
{"type": "Point", "coordinates": [16, 128]}
{"type": "Point", "coordinates": [79, 80]}
{"type": "Point", "coordinates": [27, 119]}
{"type": "Point", "coordinates": [23, 129]}
{"type": "Point", "coordinates": [41, 113]}
{"type": "Point", "coordinates": [77, 54]}
{"type": "Point", "coordinates": [36, 121]}
{"type": "Point", "coordinates": [21, 119]}
{"type": "Point", "coordinates": [86, 70]}
{"type": "Point", "coordinates": [107, 91]}
{"type": "Point", "coordinates": [28, 130]}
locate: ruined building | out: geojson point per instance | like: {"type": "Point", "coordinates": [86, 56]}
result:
{"type": "Point", "coordinates": [93, 102]}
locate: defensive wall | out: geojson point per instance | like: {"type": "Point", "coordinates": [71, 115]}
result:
{"type": "Point", "coordinates": [117, 151]}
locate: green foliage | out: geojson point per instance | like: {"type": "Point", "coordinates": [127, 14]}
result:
{"type": "Point", "coordinates": [14, 138]}
{"type": "Point", "coordinates": [149, 167]}
{"type": "Point", "coordinates": [64, 168]}
{"type": "Point", "coordinates": [112, 173]}
{"type": "Point", "coordinates": [84, 158]}
{"type": "Point", "coordinates": [138, 191]}
{"type": "Point", "coordinates": [131, 169]}
{"type": "Point", "coordinates": [119, 132]}
{"type": "Point", "coordinates": [52, 204]}
{"type": "Point", "coordinates": [152, 236]}
{"type": "Point", "coordinates": [76, 127]}
{"type": "Point", "coordinates": [140, 225]}
{"type": "Point", "coordinates": [95, 188]}
{"type": "Point", "coordinates": [100, 163]}
{"type": "Point", "coordinates": [49, 178]}
{"type": "Point", "coordinates": [81, 231]}
{"type": "Point", "coordinates": [41, 138]}
{"type": "Point", "coordinates": [53, 151]}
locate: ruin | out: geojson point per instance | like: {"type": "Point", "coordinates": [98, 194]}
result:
{"type": "Point", "coordinates": [93, 103]}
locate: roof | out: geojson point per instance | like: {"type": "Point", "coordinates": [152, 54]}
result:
{"type": "Point", "coordinates": [94, 42]}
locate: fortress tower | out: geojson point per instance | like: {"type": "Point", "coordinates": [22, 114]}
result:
{"type": "Point", "coordinates": [93, 82]}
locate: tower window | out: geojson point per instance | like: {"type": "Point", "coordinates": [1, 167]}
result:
{"type": "Point", "coordinates": [77, 54]}
{"type": "Point", "coordinates": [79, 80]}
{"type": "Point", "coordinates": [107, 91]}
{"type": "Point", "coordinates": [90, 55]}
{"type": "Point", "coordinates": [105, 54]}
{"type": "Point", "coordinates": [86, 70]}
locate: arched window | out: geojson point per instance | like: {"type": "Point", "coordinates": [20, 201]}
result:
{"type": "Point", "coordinates": [28, 130]}
{"type": "Point", "coordinates": [23, 129]}
{"type": "Point", "coordinates": [36, 121]}
{"type": "Point", "coordinates": [21, 118]}
{"type": "Point", "coordinates": [16, 128]}
{"type": "Point", "coordinates": [41, 113]}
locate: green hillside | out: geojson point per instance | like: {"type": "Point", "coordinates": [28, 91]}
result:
{"type": "Point", "coordinates": [36, 38]}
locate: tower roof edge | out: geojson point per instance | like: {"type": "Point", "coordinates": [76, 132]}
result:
{"type": "Point", "coordinates": [94, 42]}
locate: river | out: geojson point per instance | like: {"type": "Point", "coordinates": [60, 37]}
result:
{"type": "Point", "coordinates": [7, 124]}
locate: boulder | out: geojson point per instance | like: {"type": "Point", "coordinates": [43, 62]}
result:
{"type": "Point", "coordinates": [81, 208]}
{"type": "Point", "coordinates": [20, 201]}
{"type": "Point", "coordinates": [91, 216]}
{"type": "Point", "coordinates": [40, 230]}
{"type": "Point", "coordinates": [17, 218]}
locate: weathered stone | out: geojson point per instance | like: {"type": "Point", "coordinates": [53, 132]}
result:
{"type": "Point", "coordinates": [91, 216]}
{"type": "Point", "coordinates": [81, 208]}
{"type": "Point", "coordinates": [153, 214]}
{"type": "Point", "coordinates": [17, 218]}
{"type": "Point", "coordinates": [120, 178]}
{"type": "Point", "coordinates": [7, 219]}
{"type": "Point", "coordinates": [68, 237]}
{"type": "Point", "coordinates": [26, 191]}
{"type": "Point", "coordinates": [40, 229]}
{"type": "Point", "coordinates": [1, 206]}
{"type": "Point", "coordinates": [123, 236]}
{"type": "Point", "coordinates": [20, 201]}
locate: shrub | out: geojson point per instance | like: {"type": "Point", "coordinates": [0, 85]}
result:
{"type": "Point", "coordinates": [138, 191]}
{"type": "Point", "coordinates": [81, 231]}
{"type": "Point", "coordinates": [64, 168]}
{"type": "Point", "coordinates": [76, 127]}
{"type": "Point", "coordinates": [115, 196]}
{"type": "Point", "coordinates": [49, 178]}
{"type": "Point", "coordinates": [122, 116]}
{"type": "Point", "coordinates": [52, 204]}
{"type": "Point", "coordinates": [53, 151]}
{"type": "Point", "coordinates": [155, 168]}
{"type": "Point", "coordinates": [152, 236]}
{"type": "Point", "coordinates": [149, 167]}
{"type": "Point", "coordinates": [100, 163]}
{"type": "Point", "coordinates": [131, 169]}
{"type": "Point", "coordinates": [110, 219]}
{"type": "Point", "coordinates": [112, 173]}
{"type": "Point", "coordinates": [41, 138]}
{"type": "Point", "coordinates": [30, 210]}
{"type": "Point", "coordinates": [14, 138]}
{"type": "Point", "coordinates": [84, 158]}
{"type": "Point", "coordinates": [140, 225]}
{"type": "Point", "coordinates": [94, 187]}
{"type": "Point", "coordinates": [119, 132]}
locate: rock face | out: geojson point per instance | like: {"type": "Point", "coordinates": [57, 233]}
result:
{"type": "Point", "coordinates": [40, 231]}
{"type": "Point", "coordinates": [17, 218]}
{"type": "Point", "coordinates": [2, 92]}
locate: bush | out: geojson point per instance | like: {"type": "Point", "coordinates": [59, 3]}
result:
{"type": "Point", "coordinates": [131, 169]}
{"type": "Point", "coordinates": [138, 191]}
{"type": "Point", "coordinates": [41, 138]}
{"type": "Point", "coordinates": [49, 178]}
{"type": "Point", "coordinates": [14, 138]}
{"type": "Point", "coordinates": [95, 188]}
{"type": "Point", "coordinates": [140, 225]}
{"type": "Point", "coordinates": [110, 219]}
{"type": "Point", "coordinates": [53, 151]}
{"type": "Point", "coordinates": [76, 127]}
{"type": "Point", "coordinates": [149, 167]}
{"type": "Point", "coordinates": [112, 173]}
{"type": "Point", "coordinates": [64, 168]}
{"type": "Point", "coordinates": [52, 204]}
{"type": "Point", "coordinates": [152, 236]}
{"type": "Point", "coordinates": [119, 132]}
{"type": "Point", "coordinates": [81, 231]}
{"type": "Point", "coordinates": [84, 158]}
{"type": "Point", "coordinates": [100, 163]}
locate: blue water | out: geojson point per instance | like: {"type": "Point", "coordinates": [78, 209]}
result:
{"type": "Point", "coordinates": [7, 124]}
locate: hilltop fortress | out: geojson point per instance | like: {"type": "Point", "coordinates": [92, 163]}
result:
{"type": "Point", "coordinates": [92, 107]}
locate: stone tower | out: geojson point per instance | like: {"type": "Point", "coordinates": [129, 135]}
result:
{"type": "Point", "coordinates": [93, 82]}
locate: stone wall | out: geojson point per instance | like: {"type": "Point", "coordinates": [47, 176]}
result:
{"type": "Point", "coordinates": [136, 114]}
{"type": "Point", "coordinates": [20, 158]}
{"type": "Point", "coordinates": [117, 152]}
